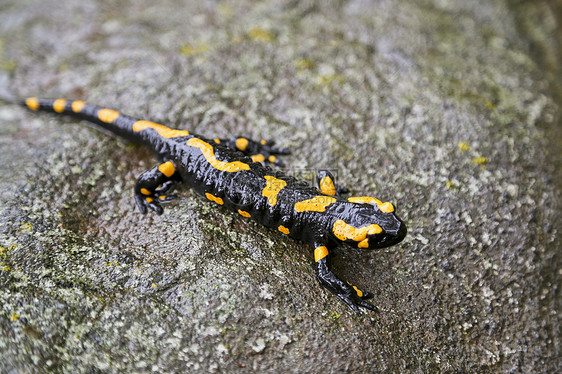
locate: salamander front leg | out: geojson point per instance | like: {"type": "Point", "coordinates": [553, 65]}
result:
{"type": "Point", "coordinates": [152, 187]}
{"type": "Point", "coordinates": [351, 295]}
{"type": "Point", "coordinates": [327, 184]}
{"type": "Point", "coordinates": [262, 151]}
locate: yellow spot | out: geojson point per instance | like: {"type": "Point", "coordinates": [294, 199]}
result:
{"type": "Point", "coordinates": [343, 231]}
{"type": "Point", "coordinates": [463, 146]}
{"type": "Point", "coordinates": [480, 160]}
{"type": "Point", "coordinates": [190, 50]}
{"type": "Point", "coordinates": [303, 63]}
{"type": "Point", "coordinates": [384, 207]}
{"type": "Point", "coordinates": [327, 186]}
{"type": "Point", "coordinates": [167, 168]}
{"type": "Point", "coordinates": [153, 285]}
{"type": "Point", "coordinates": [217, 140]}
{"type": "Point", "coordinates": [335, 315]}
{"type": "Point", "coordinates": [108, 115]}
{"type": "Point", "coordinates": [452, 185]}
{"type": "Point", "coordinates": [263, 142]}
{"type": "Point", "coordinates": [244, 213]}
{"type": "Point", "coordinates": [217, 200]}
{"type": "Point", "coordinates": [363, 243]}
{"type": "Point", "coordinates": [272, 188]}
{"type": "Point", "coordinates": [257, 158]}
{"type": "Point", "coordinates": [14, 317]}
{"type": "Point", "coordinates": [32, 103]}
{"type": "Point", "coordinates": [359, 292]}
{"type": "Point", "coordinates": [144, 191]}
{"type": "Point", "coordinates": [364, 200]}
{"type": "Point", "coordinates": [284, 230]}
{"type": "Point", "coordinates": [242, 144]}
{"type": "Point", "coordinates": [5, 64]}
{"type": "Point", "coordinates": [209, 155]}
{"type": "Point", "coordinates": [326, 80]}
{"type": "Point", "coordinates": [162, 130]}
{"type": "Point", "coordinates": [77, 106]}
{"type": "Point", "coordinates": [162, 197]}
{"type": "Point", "coordinates": [316, 204]}
{"type": "Point", "coordinates": [58, 105]}
{"type": "Point", "coordinates": [272, 158]}
{"type": "Point", "coordinates": [260, 34]}
{"type": "Point", "coordinates": [320, 253]}
{"type": "Point", "coordinates": [149, 199]}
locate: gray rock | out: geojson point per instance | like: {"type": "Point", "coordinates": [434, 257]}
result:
{"type": "Point", "coordinates": [448, 109]}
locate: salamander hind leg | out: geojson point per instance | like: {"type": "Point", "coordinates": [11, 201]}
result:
{"type": "Point", "coordinates": [327, 184]}
{"type": "Point", "coordinates": [153, 186]}
{"type": "Point", "coordinates": [260, 151]}
{"type": "Point", "coordinates": [349, 294]}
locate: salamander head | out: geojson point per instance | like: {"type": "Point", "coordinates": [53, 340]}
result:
{"type": "Point", "coordinates": [368, 223]}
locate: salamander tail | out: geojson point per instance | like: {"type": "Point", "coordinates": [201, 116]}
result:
{"type": "Point", "coordinates": [108, 119]}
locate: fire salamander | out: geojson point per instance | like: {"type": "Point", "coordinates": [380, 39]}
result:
{"type": "Point", "coordinates": [232, 173]}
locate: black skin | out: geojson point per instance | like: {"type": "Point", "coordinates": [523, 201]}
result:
{"type": "Point", "coordinates": [243, 190]}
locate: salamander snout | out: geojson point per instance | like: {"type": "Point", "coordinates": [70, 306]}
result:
{"type": "Point", "coordinates": [394, 231]}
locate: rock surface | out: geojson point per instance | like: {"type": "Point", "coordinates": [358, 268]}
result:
{"type": "Point", "coordinates": [450, 110]}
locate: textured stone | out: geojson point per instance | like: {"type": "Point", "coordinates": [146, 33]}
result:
{"type": "Point", "coordinates": [448, 109]}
